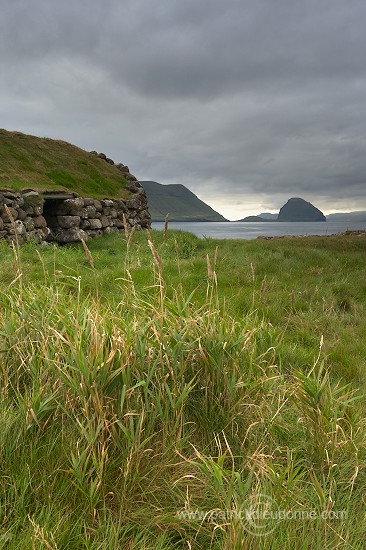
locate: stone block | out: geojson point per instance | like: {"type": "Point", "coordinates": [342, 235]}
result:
{"type": "Point", "coordinates": [37, 210]}
{"type": "Point", "coordinates": [76, 212]}
{"type": "Point", "coordinates": [29, 223]}
{"type": "Point", "coordinates": [21, 214]}
{"type": "Point", "coordinates": [67, 222]}
{"type": "Point", "coordinates": [121, 206]}
{"type": "Point", "coordinates": [78, 202]}
{"type": "Point", "coordinates": [19, 227]}
{"type": "Point", "coordinates": [88, 202]}
{"type": "Point", "coordinates": [39, 221]}
{"type": "Point", "coordinates": [106, 221]}
{"type": "Point", "coordinates": [95, 224]}
{"type": "Point", "coordinates": [95, 233]}
{"type": "Point", "coordinates": [109, 230]}
{"type": "Point", "coordinates": [123, 169]}
{"type": "Point", "coordinates": [85, 224]}
{"type": "Point", "coordinates": [13, 213]}
{"type": "Point", "coordinates": [90, 211]}
{"type": "Point", "coordinates": [132, 204]}
{"type": "Point", "coordinates": [9, 195]}
{"type": "Point", "coordinates": [72, 234]}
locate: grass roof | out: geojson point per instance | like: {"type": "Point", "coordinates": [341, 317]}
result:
{"type": "Point", "coordinates": [45, 164]}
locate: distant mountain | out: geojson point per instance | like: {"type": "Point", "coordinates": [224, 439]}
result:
{"type": "Point", "coordinates": [352, 217]}
{"type": "Point", "coordinates": [179, 202]}
{"type": "Point", "coordinates": [254, 219]}
{"type": "Point", "coordinates": [299, 210]}
{"type": "Point", "coordinates": [268, 216]}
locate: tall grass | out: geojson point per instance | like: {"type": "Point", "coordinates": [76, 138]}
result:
{"type": "Point", "coordinates": [152, 421]}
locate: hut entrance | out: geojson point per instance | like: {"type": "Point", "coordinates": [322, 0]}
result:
{"type": "Point", "coordinates": [53, 206]}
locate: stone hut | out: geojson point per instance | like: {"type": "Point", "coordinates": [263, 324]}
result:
{"type": "Point", "coordinates": [32, 216]}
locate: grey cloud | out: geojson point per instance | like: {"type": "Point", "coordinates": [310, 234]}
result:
{"type": "Point", "coordinates": [194, 48]}
{"type": "Point", "coordinates": [253, 99]}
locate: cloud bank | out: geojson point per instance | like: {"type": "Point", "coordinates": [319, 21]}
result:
{"type": "Point", "coordinates": [247, 103]}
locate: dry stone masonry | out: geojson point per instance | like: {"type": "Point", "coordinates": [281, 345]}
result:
{"type": "Point", "coordinates": [21, 217]}
{"type": "Point", "coordinates": [65, 217]}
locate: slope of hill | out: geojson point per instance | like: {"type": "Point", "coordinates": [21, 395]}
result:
{"type": "Point", "coordinates": [268, 216]}
{"type": "Point", "coordinates": [51, 165]}
{"type": "Point", "coordinates": [299, 210]}
{"type": "Point", "coordinates": [179, 202]}
{"type": "Point", "coordinates": [352, 217]}
{"type": "Point", "coordinates": [254, 219]}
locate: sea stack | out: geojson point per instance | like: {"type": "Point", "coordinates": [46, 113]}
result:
{"type": "Point", "coordinates": [299, 210]}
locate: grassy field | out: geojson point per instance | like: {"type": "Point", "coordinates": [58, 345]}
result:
{"type": "Point", "coordinates": [51, 165]}
{"type": "Point", "coordinates": [183, 394]}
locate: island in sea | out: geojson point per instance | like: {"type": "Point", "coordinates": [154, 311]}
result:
{"type": "Point", "coordinates": [295, 210]}
{"type": "Point", "coordinates": [182, 205]}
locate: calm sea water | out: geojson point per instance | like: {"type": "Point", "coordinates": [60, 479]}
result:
{"type": "Point", "coordinates": [252, 230]}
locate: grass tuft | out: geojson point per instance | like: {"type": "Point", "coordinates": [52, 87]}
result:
{"type": "Point", "coordinates": [151, 401]}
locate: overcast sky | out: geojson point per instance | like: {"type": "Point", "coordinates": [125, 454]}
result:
{"type": "Point", "coordinates": [246, 102]}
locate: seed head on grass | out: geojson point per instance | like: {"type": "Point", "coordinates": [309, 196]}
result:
{"type": "Point", "coordinates": [209, 268]}
{"type": "Point", "coordinates": [88, 253]}
{"type": "Point", "coordinates": [125, 225]}
{"type": "Point", "coordinates": [166, 227]}
{"type": "Point", "coordinates": [161, 284]}
{"type": "Point", "coordinates": [15, 247]}
{"type": "Point", "coordinates": [129, 240]}
{"type": "Point", "coordinates": [155, 255]}
{"type": "Point", "coordinates": [211, 292]}
{"type": "Point", "coordinates": [129, 235]}
{"type": "Point", "coordinates": [263, 286]}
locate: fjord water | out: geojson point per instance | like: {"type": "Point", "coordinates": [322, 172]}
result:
{"type": "Point", "coordinates": [252, 230]}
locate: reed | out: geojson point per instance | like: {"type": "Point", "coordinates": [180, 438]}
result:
{"type": "Point", "coordinates": [152, 420]}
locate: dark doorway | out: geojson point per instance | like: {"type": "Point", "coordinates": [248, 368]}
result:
{"type": "Point", "coordinates": [53, 206]}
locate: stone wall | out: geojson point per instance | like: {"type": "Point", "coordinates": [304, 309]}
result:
{"type": "Point", "coordinates": [23, 217]}
{"type": "Point", "coordinates": [34, 217]}
{"type": "Point", "coordinates": [84, 218]}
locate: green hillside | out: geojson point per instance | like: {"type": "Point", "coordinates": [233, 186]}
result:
{"type": "Point", "coordinates": [351, 217]}
{"type": "Point", "coordinates": [45, 164]}
{"type": "Point", "coordinates": [179, 202]}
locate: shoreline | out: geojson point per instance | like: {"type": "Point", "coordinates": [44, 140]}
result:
{"type": "Point", "coordinates": [348, 233]}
